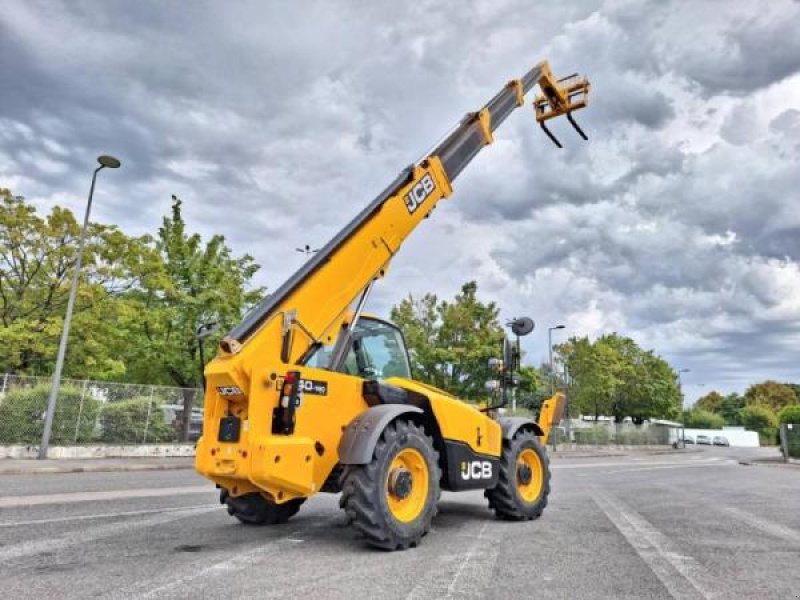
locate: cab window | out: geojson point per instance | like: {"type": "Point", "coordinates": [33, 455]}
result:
{"type": "Point", "coordinates": [376, 352]}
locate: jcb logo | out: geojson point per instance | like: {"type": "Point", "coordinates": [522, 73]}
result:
{"type": "Point", "coordinates": [417, 195]}
{"type": "Point", "coordinates": [476, 469]}
{"type": "Point", "coordinates": [230, 390]}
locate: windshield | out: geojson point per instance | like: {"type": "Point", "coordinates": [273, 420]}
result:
{"type": "Point", "coordinates": [377, 352]}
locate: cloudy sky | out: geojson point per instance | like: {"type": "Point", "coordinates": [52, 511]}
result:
{"type": "Point", "coordinates": [677, 224]}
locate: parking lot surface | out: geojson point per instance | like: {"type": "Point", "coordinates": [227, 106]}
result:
{"type": "Point", "coordinates": [695, 524]}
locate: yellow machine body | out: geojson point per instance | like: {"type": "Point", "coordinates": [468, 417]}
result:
{"type": "Point", "coordinates": [244, 382]}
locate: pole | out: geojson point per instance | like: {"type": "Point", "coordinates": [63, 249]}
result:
{"type": "Point", "coordinates": [80, 410]}
{"type": "Point", "coordinates": [62, 345]}
{"type": "Point", "coordinates": [202, 362]}
{"type": "Point", "coordinates": [550, 349]}
{"type": "Point", "coordinates": [147, 419]}
{"type": "Point", "coordinates": [552, 382]}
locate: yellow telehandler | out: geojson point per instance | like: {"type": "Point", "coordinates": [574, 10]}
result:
{"type": "Point", "coordinates": [307, 394]}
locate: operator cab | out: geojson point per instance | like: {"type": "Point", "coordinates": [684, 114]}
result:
{"type": "Point", "coordinates": [377, 351]}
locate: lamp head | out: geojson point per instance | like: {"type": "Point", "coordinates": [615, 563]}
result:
{"type": "Point", "coordinates": [108, 161]}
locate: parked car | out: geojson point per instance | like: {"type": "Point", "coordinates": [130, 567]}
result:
{"type": "Point", "coordinates": [704, 439]}
{"type": "Point", "coordinates": [721, 441]}
{"type": "Point", "coordinates": [687, 439]}
{"type": "Point", "coordinates": [173, 415]}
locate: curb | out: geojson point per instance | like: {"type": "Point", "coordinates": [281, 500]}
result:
{"type": "Point", "coordinates": [770, 463]}
{"type": "Point", "coordinates": [92, 469]}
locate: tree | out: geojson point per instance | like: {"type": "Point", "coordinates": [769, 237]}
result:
{"type": "Point", "coordinates": [698, 418]}
{"type": "Point", "coordinates": [789, 414]}
{"type": "Point", "coordinates": [712, 402]}
{"type": "Point", "coordinates": [761, 419]}
{"type": "Point", "coordinates": [531, 391]}
{"type": "Point", "coordinates": [37, 258]}
{"type": "Point", "coordinates": [730, 407]}
{"type": "Point", "coordinates": [614, 376]}
{"type": "Point", "coordinates": [450, 342]}
{"type": "Point", "coordinates": [196, 284]}
{"type": "Point", "coordinates": [770, 393]}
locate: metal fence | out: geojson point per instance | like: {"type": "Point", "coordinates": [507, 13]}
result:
{"type": "Point", "coordinates": [600, 433]}
{"type": "Point", "coordinates": [790, 440]}
{"type": "Point", "coordinates": [96, 412]}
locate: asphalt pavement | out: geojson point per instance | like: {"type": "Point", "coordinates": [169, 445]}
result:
{"type": "Point", "coordinates": [681, 525]}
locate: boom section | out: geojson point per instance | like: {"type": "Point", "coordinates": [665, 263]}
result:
{"type": "Point", "coordinates": [311, 306]}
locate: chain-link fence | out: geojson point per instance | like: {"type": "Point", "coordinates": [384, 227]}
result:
{"type": "Point", "coordinates": [603, 433]}
{"type": "Point", "coordinates": [96, 412]}
{"type": "Point", "coordinates": [790, 440]}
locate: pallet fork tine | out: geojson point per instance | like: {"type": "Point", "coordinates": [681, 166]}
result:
{"type": "Point", "coordinates": [550, 134]}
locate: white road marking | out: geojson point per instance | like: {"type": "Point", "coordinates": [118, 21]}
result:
{"type": "Point", "coordinates": [475, 547]}
{"type": "Point", "coordinates": [87, 536]}
{"type": "Point", "coordinates": [128, 513]}
{"type": "Point", "coordinates": [682, 466]}
{"type": "Point", "coordinates": [240, 561]}
{"type": "Point", "coordinates": [770, 527]}
{"type": "Point", "coordinates": [618, 463]}
{"type": "Point", "coordinates": [70, 497]}
{"type": "Point", "coordinates": [471, 571]}
{"type": "Point", "coordinates": [680, 573]}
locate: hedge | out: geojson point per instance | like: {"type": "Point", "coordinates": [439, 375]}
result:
{"type": "Point", "coordinates": [123, 422]}
{"type": "Point", "coordinates": [789, 414]}
{"type": "Point", "coordinates": [597, 434]}
{"type": "Point", "coordinates": [22, 415]}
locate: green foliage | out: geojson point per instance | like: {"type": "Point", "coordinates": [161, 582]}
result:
{"type": "Point", "coordinates": [38, 256]}
{"type": "Point", "coordinates": [451, 342]}
{"type": "Point", "coordinates": [730, 407]}
{"type": "Point", "coordinates": [597, 434]}
{"type": "Point", "coordinates": [712, 402]}
{"type": "Point", "coordinates": [531, 391]}
{"type": "Point", "coordinates": [22, 416]}
{"type": "Point", "coordinates": [789, 414]}
{"type": "Point", "coordinates": [635, 437]}
{"type": "Point", "coordinates": [123, 422]}
{"type": "Point", "coordinates": [771, 394]}
{"type": "Point", "coordinates": [614, 376]}
{"type": "Point", "coordinates": [197, 283]}
{"type": "Point", "coordinates": [761, 419]}
{"type": "Point", "coordinates": [697, 418]}
{"type": "Point", "coordinates": [139, 299]}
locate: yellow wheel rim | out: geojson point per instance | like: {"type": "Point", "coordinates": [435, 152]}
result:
{"type": "Point", "coordinates": [528, 459]}
{"type": "Point", "coordinates": [407, 504]}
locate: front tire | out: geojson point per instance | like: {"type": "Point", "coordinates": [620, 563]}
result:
{"type": "Point", "coordinates": [392, 500]}
{"type": "Point", "coordinates": [524, 480]}
{"type": "Point", "coordinates": [254, 509]}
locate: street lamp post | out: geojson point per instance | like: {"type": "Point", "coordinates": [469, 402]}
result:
{"type": "Point", "coordinates": [552, 373]}
{"type": "Point", "coordinates": [111, 163]}
{"type": "Point", "coordinates": [680, 383]}
{"type": "Point", "coordinates": [550, 348]}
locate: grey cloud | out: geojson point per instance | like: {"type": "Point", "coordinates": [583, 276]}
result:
{"type": "Point", "coordinates": [276, 123]}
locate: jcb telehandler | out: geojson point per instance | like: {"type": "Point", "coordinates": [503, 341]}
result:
{"type": "Point", "coordinates": [308, 395]}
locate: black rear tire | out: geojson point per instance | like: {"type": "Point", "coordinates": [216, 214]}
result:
{"type": "Point", "coordinates": [254, 509]}
{"type": "Point", "coordinates": [506, 499]}
{"type": "Point", "coordinates": [365, 489]}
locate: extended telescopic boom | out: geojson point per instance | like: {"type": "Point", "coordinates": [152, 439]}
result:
{"type": "Point", "coordinates": [347, 265]}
